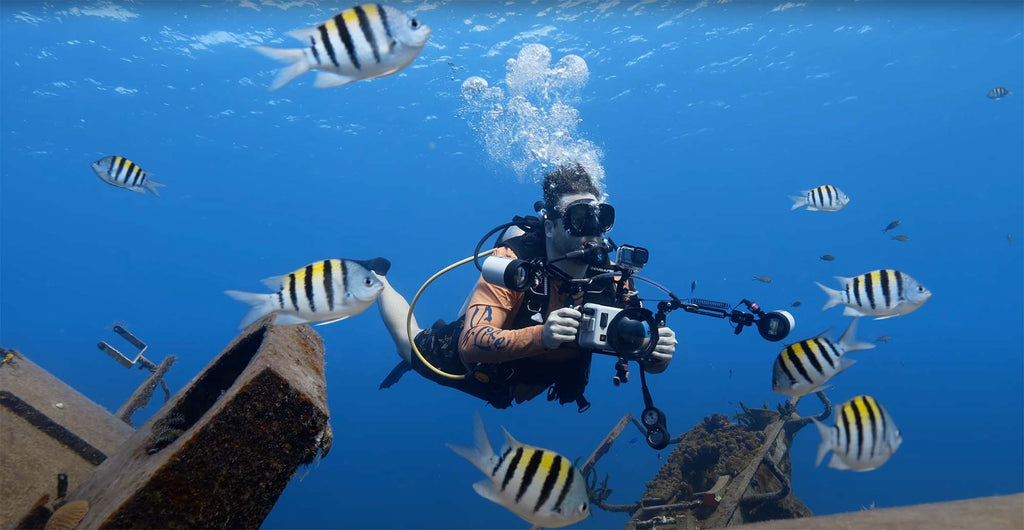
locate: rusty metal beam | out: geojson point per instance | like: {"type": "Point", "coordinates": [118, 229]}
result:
{"type": "Point", "coordinates": [221, 451]}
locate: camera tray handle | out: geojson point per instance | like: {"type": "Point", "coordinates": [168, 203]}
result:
{"type": "Point", "coordinates": [653, 419]}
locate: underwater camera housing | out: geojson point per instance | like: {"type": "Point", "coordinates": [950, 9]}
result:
{"type": "Point", "coordinates": [613, 323]}
{"type": "Point", "coordinates": [625, 332]}
{"type": "Point", "coordinates": [620, 330]}
{"type": "Point", "coordinates": [610, 323]}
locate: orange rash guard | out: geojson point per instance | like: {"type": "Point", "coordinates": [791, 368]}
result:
{"type": "Point", "coordinates": [484, 337]}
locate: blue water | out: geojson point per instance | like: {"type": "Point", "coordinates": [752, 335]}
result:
{"type": "Point", "coordinates": [707, 116]}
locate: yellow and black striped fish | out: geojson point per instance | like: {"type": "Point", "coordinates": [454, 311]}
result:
{"type": "Point", "coordinates": [863, 438]}
{"type": "Point", "coordinates": [326, 291]}
{"type": "Point", "coordinates": [998, 92]}
{"type": "Point", "coordinates": [884, 293]}
{"type": "Point", "coordinates": [123, 173]}
{"type": "Point", "coordinates": [536, 484]}
{"type": "Point", "coordinates": [362, 42]}
{"type": "Point", "coordinates": [803, 367]}
{"type": "Point", "coordinates": [825, 198]}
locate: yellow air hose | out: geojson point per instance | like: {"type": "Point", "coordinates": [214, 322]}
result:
{"type": "Point", "coordinates": [408, 319]}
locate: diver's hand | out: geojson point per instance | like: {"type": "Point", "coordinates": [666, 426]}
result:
{"type": "Point", "coordinates": [561, 326]}
{"type": "Point", "coordinates": [663, 351]}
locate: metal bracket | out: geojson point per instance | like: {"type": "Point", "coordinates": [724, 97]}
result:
{"type": "Point", "coordinates": [139, 398]}
{"type": "Point", "coordinates": [121, 358]}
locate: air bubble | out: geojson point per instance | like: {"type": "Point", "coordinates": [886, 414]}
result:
{"type": "Point", "coordinates": [535, 127]}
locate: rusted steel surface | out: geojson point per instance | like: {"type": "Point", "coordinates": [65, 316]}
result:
{"type": "Point", "coordinates": [47, 428]}
{"type": "Point", "coordinates": [991, 513]}
{"type": "Point", "coordinates": [221, 451]}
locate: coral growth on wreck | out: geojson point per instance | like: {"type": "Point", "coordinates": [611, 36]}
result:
{"type": "Point", "coordinates": [714, 447]}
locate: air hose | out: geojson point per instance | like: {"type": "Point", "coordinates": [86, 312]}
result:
{"type": "Point", "coordinates": [408, 319]}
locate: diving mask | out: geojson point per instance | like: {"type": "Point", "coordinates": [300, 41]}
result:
{"type": "Point", "coordinates": [586, 217]}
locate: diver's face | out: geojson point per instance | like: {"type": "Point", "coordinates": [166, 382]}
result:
{"type": "Point", "coordinates": [560, 241]}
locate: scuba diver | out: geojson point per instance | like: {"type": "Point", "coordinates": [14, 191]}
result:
{"type": "Point", "coordinates": [511, 345]}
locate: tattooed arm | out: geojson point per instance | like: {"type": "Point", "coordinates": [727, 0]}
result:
{"type": "Point", "coordinates": [483, 338]}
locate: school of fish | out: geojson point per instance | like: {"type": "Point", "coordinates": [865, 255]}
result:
{"type": "Point", "coordinates": [865, 435]}
{"type": "Point", "coordinates": [544, 488]}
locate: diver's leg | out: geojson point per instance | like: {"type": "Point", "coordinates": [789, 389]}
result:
{"type": "Point", "coordinates": [394, 309]}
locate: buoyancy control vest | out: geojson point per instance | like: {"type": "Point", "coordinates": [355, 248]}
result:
{"type": "Point", "coordinates": [496, 383]}
{"type": "Point", "coordinates": [566, 380]}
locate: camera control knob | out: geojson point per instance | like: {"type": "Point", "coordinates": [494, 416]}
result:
{"type": "Point", "coordinates": [651, 417]}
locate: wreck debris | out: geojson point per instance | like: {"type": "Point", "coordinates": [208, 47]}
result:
{"type": "Point", "coordinates": [720, 474]}
{"type": "Point", "coordinates": [606, 444]}
{"type": "Point", "coordinates": [43, 442]}
{"type": "Point", "coordinates": [68, 516]}
{"type": "Point", "coordinates": [222, 450]}
{"type": "Point", "coordinates": [713, 496]}
{"type": "Point", "coordinates": [140, 398]}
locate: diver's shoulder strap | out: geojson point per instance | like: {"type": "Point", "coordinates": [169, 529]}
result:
{"type": "Point", "coordinates": [527, 246]}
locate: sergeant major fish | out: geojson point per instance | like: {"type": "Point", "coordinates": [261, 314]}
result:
{"type": "Point", "coordinates": [363, 42]}
{"type": "Point", "coordinates": [802, 368]}
{"type": "Point", "coordinates": [998, 92]}
{"type": "Point", "coordinates": [326, 291]}
{"type": "Point", "coordinates": [825, 198]}
{"type": "Point", "coordinates": [540, 486]}
{"type": "Point", "coordinates": [863, 438]}
{"type": "Point", "coordinates": [883, 293]}
{"type": "Point", "coordinates": [123, 173]}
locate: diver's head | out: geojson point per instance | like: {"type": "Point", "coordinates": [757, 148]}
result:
{"type": "Point", "coordinates": [573, 214]}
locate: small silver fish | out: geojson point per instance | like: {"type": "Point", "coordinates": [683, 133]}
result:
{"type": "Point", "coordinates": [863, 438]}
{"type": "Point", "coordinates": [363, 42]}
{"type": "Point", "coordinates": [796, 304]}
{"type": "Point", "coordinates": [763, 279]}
{"type": "Point", "coordinates": [825, 198]}
{"type": "Point", "coordinates": [123, 173]}
{"type": "Point", "coordinates": [901, 238]}
{"type": "Point", "coordinates": [891, 225]}
{"type": "Point", "coordinates": [324, 292]}
{"type": "Point", "coordinates": [883, 338]}
{"type": "Point", "coordinates": [828, 257]}
{"type": "Point", "coordinates": [693, 286]}
{"type": "Point", "coordinates": [539, 485]}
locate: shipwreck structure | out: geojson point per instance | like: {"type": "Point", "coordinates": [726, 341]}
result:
{"type": "Point", "coordinates": [260, 405]}
{"type": "Point", "coordinates": [719, 474]}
